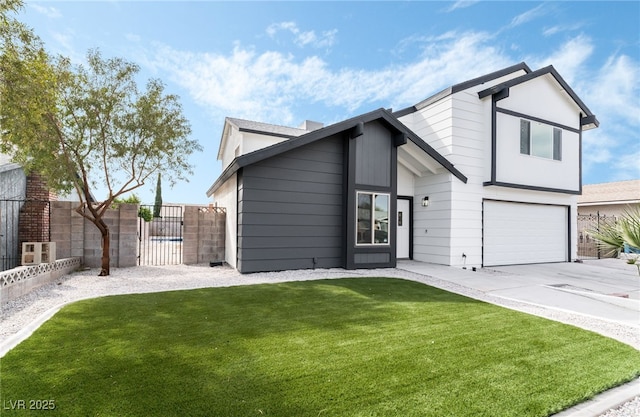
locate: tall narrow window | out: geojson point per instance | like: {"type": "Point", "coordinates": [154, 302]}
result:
{"type": "Point", "coordinates": [372, 219]}
{"type": "Point", "coordinates": [539, 139]}
{"type": "Point", "coordinates": [525, 127]}
{"type": "Point", "coordinates": [557, 144]}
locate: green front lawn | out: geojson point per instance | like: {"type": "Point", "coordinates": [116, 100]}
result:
{"type": "Point", "coordinates": [348, 347]}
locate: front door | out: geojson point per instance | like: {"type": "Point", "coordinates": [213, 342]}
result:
{"type": "Point", "coordinates": [403, 231]}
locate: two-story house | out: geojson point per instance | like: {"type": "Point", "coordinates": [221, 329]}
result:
{"type": "Point", "coordinates": [484, 173]}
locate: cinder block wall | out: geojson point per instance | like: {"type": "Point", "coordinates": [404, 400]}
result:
{"type": "Point", "coordinates": [76, 236]}
{"type": "Point", "coordinates": [204, 233]}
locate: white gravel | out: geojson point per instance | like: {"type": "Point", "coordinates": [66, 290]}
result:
{"type": "Point", "coordinates": [628, 409]}
{"type": "Point", "coordinates": [21, 316]}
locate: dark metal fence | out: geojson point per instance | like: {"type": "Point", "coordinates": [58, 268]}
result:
{"type": "Point", "coordinates": [21, 221]}
{"type": "Point", "coordinates": [160, 238]}
{"type": "Point", "coordinates": [587, 245]}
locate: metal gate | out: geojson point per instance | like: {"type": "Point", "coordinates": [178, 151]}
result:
{"type": "Point", "coordinates": [160, 237]}
{"type": "Point", "coordinates": [587, 245]}
{"type": "Point", "coordinates": [21, 221]}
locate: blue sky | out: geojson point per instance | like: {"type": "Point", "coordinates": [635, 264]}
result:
{"type": "Point", "coordinates": [284, 62]}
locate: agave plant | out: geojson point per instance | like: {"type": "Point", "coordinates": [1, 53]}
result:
{"type": "Point", "coordinates": [608, 238]}
{"type": "Point", "coordinates": [630, 228]}
{"type": "Point", "coordinates": [623, 235]}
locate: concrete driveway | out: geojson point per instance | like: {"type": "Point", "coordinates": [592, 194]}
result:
{"type": "Point", "coordinates": [608, 289]}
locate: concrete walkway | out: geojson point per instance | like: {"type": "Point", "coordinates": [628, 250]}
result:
{"type": "Point", "coordinates": [608, 289]}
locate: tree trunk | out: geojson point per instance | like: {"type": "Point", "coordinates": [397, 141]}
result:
{"type": "Point", "coordinates": [106, 244]}
{"type": "Point", "coordinates": [95, 217]}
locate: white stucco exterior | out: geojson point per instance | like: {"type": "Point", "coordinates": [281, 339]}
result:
{"type": "Point", "coordinates": [241, 143]}
{"type": "Point", "coordinates": [226, 196]}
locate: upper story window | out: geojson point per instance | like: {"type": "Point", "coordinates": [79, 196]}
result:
{"type": "Point", "coordinates": [539, 139]}
{"type": "Point", "coordinates": [372, 219]}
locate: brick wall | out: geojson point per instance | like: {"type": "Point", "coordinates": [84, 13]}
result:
{"type": "Point", "coordinates": [34, 220]}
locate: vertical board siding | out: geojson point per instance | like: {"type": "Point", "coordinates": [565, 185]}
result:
{"type": "Point", "coordinates": [290, 210]}
{"type": "Point", "coordinates": [373, 164]}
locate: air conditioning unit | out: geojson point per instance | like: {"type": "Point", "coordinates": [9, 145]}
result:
{"type": "Point", "coordinates": [34, 253]}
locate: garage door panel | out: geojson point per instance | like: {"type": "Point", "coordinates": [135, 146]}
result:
{"type": "Point", "coordinates": [518, 233]}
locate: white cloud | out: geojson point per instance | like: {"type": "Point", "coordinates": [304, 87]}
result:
{"type": "Point", "coordinates": [64, 44]}
{"type": "Point", "coordinates": [280, 88]}
{"type": "Point", "coordinates": [596, 149]}
{"type": "Point", "coordinates": [612, 94]}
{"type": "Point", "coordinates": [50, 12]}
{"type": "Point", "coordinates": [304, 38]}
{"type": "Point", "coordinates": [616, 88]}
{"type": "Point", "coordinates": [528, 16]}
{"type": "Point", "coordinates": [461, 4]}
{"type": "Point", "coordinates": [569, 59]}
{"type": "Point", "coordinates": [132, 37]}
{"type": "Point", "coordinates": [553, 30]}
{"type": "Point", "coordinates": [628, 165]}
{"type": "Point", "coordinates": [271, 86]}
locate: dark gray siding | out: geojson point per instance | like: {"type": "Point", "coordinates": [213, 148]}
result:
{"type": "Point", "coordinates": [371, 258]}
{"type": "Point", "coordinates": [290, 210]}
{"type": "Point", "coordinates": [373, 164]}
{"type": "Point", "coordinates": [372, 168]}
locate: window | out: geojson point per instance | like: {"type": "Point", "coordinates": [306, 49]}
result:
{"type": "Point", "coordinates": [539, 139]}
{"type": "Point", "coordinates": [372, 226]}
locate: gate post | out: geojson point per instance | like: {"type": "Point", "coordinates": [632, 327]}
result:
{"type": "Point", "coordinates": [128, 239]}
{"type": "Point", "coordinates": [190, 236]}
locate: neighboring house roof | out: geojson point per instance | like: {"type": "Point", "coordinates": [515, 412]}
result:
{"type": "Point", "coordinates": [621, 192]}
{"type": "Point", "coordinates": [588, 121]}
{"type": "Point", "coordinates": [6, 164]}
{"type": "Point", "coordinates": [404, 134]}
{"type": "Point", "coordinates": [9, 167]}
{"type": "Point", "coordinates": [463, 86]}
{"type": "Point", "coordinates": [257, 127]}
{"type": "Point", "coordinates": [266, 128]}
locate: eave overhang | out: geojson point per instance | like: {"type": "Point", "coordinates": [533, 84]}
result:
{"type": "Point", "coordinates": [501, 91]}
{"type": "Point", "coordinates": [355, 127]}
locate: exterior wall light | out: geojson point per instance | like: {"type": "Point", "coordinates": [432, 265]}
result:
{"type": "Point", "coordinates": [425, 201]}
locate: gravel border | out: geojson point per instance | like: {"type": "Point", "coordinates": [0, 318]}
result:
{"type": "Point", "coordinates": [20, 317]}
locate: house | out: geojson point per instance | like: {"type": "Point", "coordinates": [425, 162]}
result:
{"type": "Point", "coordinates": [609, 198]}
{"type": "Point", "coordinates": [484, 173]}
{"type": "Point", "coordinates": [13, 181]}
{"type": "Point", "coordinates": [13, 186]}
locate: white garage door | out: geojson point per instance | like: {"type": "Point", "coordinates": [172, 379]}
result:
{"type": "Point", "coordinates": [518, 233]}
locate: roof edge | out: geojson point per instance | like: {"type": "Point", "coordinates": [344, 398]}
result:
{"type": "Point", "coordinates": [296, 142]}
{"type": "Point", "coordinates": [535, 74]}
{"type": "Point", "coordinates": [522, 66]}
